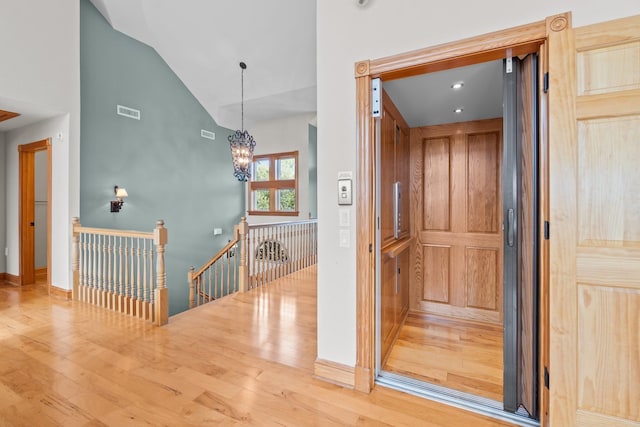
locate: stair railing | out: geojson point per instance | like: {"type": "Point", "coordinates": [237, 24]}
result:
{"type": "Point", "coordinates": [121, 270]}
{"type": "Point", "coordinates": [266, 253]}
{"type": "Point", "coordinates": [279, 249]}
{"type": "Point", "coordinates": [223, 274]}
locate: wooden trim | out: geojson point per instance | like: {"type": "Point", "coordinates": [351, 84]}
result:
{"type": "Point", "coordinates": [49, 209]}
{"type": "Point", "coordinates": [496, 45]}
{"type": "Point", "coordinates": [388, 104]}
{"type": "Point", "coordinates": [120, 233]}
{"type": "Point", "coordinates": [515, 41]}
{"type": "Point", "coordinates": [562, 198]}
{"type": "Point", "coordinates": [35, 146]}
{"type": "Point", "coordinates": [6, 115]}
{"type": "Point", "coordinates": [273, 213]}
{"type": "Point", "coordinates": [26, 165]}
{"type": "Point", "coordinates": [26, 215]}
{"type": "Point", "coordinates": [42, 273]}
{"type": "Point", "coordinates": [11, 279]}
{"type": "Point", "coordinates": [274, 184]}
{"type": "Point", "coordinates": [543, 268]}
{"type": "Point", "coordinates": [365, 226]}
{"type": "Point", "coordinates": [333, 372]}
{"type": "Point", "coordinates": [362, 69]}
{"type": "Point", "coordinates": [57, 292]}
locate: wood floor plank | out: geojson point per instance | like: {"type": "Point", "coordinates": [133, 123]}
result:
{"type": "Point", "coordinates": [462, 355]}
{"type": "Point", "coordinates": [241, 360]}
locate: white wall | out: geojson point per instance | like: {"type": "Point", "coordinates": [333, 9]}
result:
{"type": "Point", "coordinates": [41, 67]}
{"type": "Point", "coordinates": [281, 135]}
{"type": "Point", "coordinates": [3, 204]}
{"type": "Point", "coordinates": [346, 34]}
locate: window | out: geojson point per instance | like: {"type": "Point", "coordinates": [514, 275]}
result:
{"type": "Point", "coordinates": [273, 189]}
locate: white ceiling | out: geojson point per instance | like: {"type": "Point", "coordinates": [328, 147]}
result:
{"type": "Point", "coordinates": [428, 99]}
{"type": "Point", "coordinates": [29, 114]}
{"type": "Point", "coordinates": [203, 41]}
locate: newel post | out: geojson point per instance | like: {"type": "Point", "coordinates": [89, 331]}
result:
{"type": "Point", "coordinates": [243, 271]}
{"type": "Point", "coordinates": [75, 257]}
{"type": "Point", "coordinates": [161, 292]}
{"type": "Point", "coordinates": [192, 293]}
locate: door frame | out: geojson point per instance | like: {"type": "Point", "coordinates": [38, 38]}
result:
{"type": "Point", "coordinates": [26, 156]}
{"type": "Point", "coordinates": [497, 45]}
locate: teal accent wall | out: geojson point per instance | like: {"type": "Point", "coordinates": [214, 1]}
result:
{"type": "Point", "coordinates": [313, 171]}
{"type": "Point", "coordinates": [168, 169]}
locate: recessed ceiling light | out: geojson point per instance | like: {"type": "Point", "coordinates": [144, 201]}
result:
{"type": "Point", "coordinates": [458, 110]}
{"type": "Point", "coordinates": [457, 85]}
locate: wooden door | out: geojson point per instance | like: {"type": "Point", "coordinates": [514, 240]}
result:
{"type": "Point", "coordinates": [594, 157]}
{"type": "Point", "coordinates": [457, 213]}
{"type": "Point", "coordinates": [26, 160]}
{"type": "Point", "coordinates": [27, 215]}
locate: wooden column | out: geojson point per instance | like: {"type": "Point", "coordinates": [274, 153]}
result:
{"type": "Point", "coordinates": [243, 270]}
{"type": "Point", "coordinates": [192, 293]}
{"type": "Point", "coordinates": [75, 257]}
{"type": "Point", "coordinates": [161, 293]}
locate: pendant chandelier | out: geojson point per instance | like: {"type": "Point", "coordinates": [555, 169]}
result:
{"type": "Point", "coordinates": [241, 143]}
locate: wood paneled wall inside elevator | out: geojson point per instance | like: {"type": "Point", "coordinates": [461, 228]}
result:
{"type": "Point", "coordinates": [395, 273]}
{"type": "Point", "coordinates": [456, 211]}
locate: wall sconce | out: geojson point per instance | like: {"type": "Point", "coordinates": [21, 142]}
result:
{"type": "Point", "coordinates": [120, 193]}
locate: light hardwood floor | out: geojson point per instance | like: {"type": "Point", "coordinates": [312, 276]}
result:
{"type": "Point", "coordinates": [465, 356]}
{"type": "Point", "coordinates": [241, 360]}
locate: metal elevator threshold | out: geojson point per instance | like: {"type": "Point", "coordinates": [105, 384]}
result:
{"type": "Point", "coordinates": [458, 399]}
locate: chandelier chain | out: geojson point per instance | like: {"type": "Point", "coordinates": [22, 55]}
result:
{"type": "Point", "coordinates": [242, 99]}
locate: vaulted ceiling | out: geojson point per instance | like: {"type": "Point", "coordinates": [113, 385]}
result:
{"type": "Point", "coordinates": [203, 41]}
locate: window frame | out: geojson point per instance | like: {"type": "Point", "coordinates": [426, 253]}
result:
{"type": "Point", "coordinates": [273, 184]}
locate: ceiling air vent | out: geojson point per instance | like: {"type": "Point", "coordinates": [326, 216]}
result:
{"type": "Point", "coordinates": [131, 113]}
{"type": "Point", "coordinates": [207, 134]}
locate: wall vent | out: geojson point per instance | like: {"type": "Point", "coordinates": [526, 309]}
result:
{"type": "Point", "coordinates": [207, 134]}
{"type": "Point", "coordinates": [131, 113]}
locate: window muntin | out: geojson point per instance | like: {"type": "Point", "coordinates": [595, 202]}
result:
{"type": "Point", "coordinates": [273, 188]}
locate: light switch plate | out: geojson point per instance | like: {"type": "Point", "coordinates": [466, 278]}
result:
{"type": "Point", "coordinates": [345, 217]}
{"type": "Point", "coordinates": [344, 192]}
{"type": "Point", "coordinates": [345, 239]}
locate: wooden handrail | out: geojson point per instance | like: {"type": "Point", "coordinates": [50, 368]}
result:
{"type": "Point", "coordinates": [220, 286]}
{"type": "Point", "coordinates": [220, 253]}
{"type": "Point", "coordinates": [275, 224]}
{"type": "Point", "coordinates": [395, 249]}
{"type": "Point", "coordinates": [118, 233]}
{"type": "Point", "coordinates": [114, 269]}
